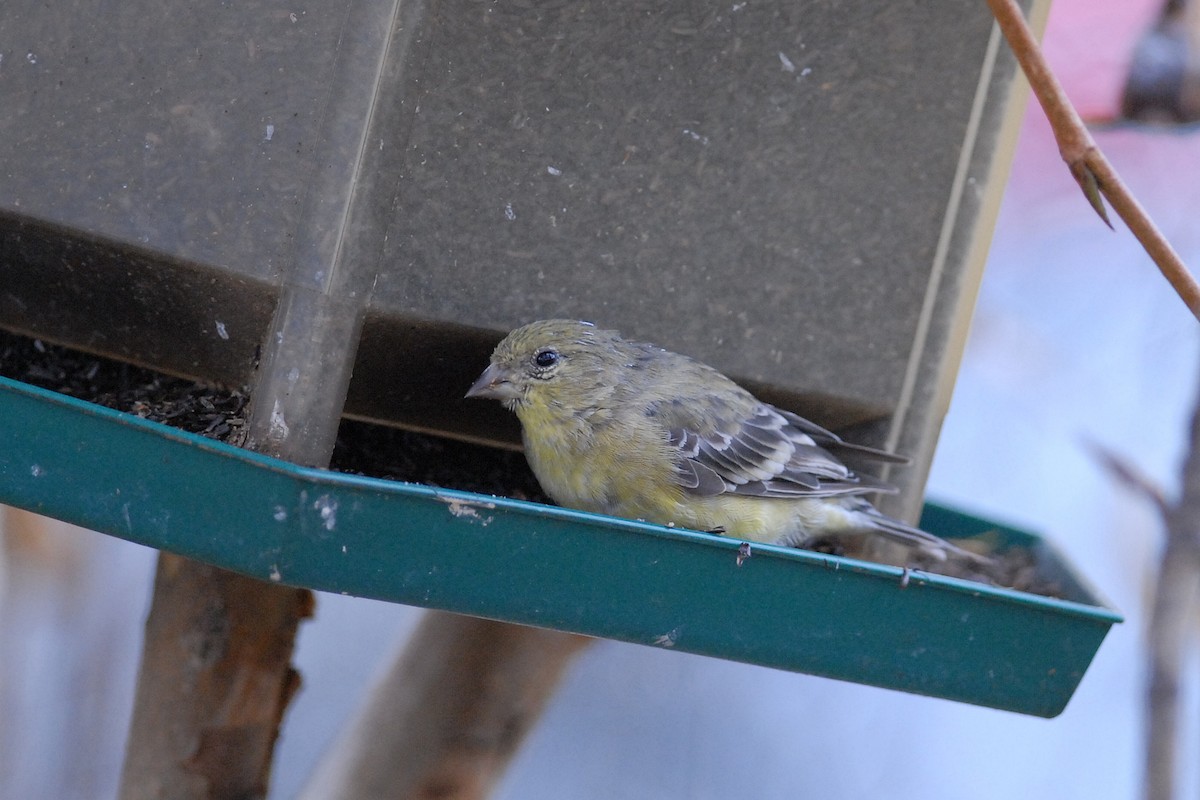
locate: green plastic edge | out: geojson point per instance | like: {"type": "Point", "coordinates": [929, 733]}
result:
{"type": "Point", "coordinates": [540, 565]}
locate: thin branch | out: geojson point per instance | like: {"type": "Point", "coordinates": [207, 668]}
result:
{"type": "Point", "coordinates": [1091, 170]}
{"type": "Point", "coordinates": [1171, 622]}
{"type": "Point", "coordinates": [1167, 641]}
{"type": "Point", "coordinates": [1127, 475]}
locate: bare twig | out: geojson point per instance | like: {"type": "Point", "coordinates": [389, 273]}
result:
{"type": "Point", "coordinates": [1179, 572]}
{"type": "Point", "coordinates": [1127, 474]}
{"type": "Point", "coordinates": [1091, 170]}
{"type": "Point", "coordinates": [1170, 623]}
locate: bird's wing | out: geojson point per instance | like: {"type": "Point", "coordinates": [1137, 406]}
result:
{"type": "Point", "coordinates": [766, 453]}
{"type": "Point", "coordinates": [831, 441]}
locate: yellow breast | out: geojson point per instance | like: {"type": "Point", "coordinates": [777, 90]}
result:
{"type": "Point", "coordinates": [624, 467]}
{"type": "Point", "coordinates": [596, 462]}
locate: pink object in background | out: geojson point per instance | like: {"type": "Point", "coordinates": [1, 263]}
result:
{"type": "Point", "coordinates": [1089, 45]}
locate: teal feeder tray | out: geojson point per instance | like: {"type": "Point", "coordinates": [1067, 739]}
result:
{"type": "Point", "coordinates": [550, 567]}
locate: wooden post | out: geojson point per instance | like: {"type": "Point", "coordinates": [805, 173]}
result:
{"type": "Point", "coordinates": [215, 680]}
{"type": "Point", "coordinates": [449, 715]}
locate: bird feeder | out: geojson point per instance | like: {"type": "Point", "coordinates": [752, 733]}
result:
{"type": "Point", "coordinates": [538, 565]}
{"type": "Point", "coordinates": [800, 194]}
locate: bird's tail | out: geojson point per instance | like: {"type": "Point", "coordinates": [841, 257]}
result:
{"type": "Point", "coordinates": [877, 522]}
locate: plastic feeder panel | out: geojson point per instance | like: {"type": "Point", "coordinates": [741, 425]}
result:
{"type": "Point", "coordinates": [798, 193]}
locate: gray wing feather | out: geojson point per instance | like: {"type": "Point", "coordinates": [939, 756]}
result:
{"type": "Point", "coordinates": [832, 441]}
{"type": "Point", "coordinates": [699, 479]}
{"type": "Point", "coordinates": [770, 453]}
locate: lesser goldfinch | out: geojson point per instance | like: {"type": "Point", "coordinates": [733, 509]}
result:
{"type": "Point", "coordinates": [631, 430]}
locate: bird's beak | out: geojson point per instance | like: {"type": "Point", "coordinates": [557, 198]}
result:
{"type": "Point", "coordinates": [494, 384]}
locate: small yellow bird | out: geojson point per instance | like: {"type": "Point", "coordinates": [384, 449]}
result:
{"type": "Point", "coordinates": [631, 430]}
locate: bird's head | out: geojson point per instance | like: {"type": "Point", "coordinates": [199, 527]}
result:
{"type": "Point", "coordinates": [548, 362]}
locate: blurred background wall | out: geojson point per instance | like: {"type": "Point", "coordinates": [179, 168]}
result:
{"type": "Point", "coordinates": [1075, 338]}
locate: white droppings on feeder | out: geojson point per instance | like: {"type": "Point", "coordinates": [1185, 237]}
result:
{"type": "Point", "coordinates": [36, 471]}
{"type": "Point", "coordinates": [279, 426]}
{"type": "Point", "coordinates": [293, 375]}
{"type": "Point", "coordinates": [327, 507]}
{"type": "Point", "coordinates": [786, 62]}
{"type": "Point", "coordinates": [463, 511]}
{"type": "Point", "coordinates": [275, 574]}
{"type": "Point", "coordinates": [280, 514]}
{"type": "Point", "coordinates": [467, 509]}
{"type": "Point", "coordinates": [509, 214]}
{"type": "Point", "coordinates": [221, 331]}
{"type": "Point", "coordinates": [668, 639]}
{"type": "Point", "coordinates": [806, 71]}
{"type": "Point", "coordinates": [270, 132]}
{"type": "Point", "coordinates": [555, 171]}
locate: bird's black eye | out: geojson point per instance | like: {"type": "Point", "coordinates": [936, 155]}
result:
{"type": "Point", "coordinates": [545, 358]}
